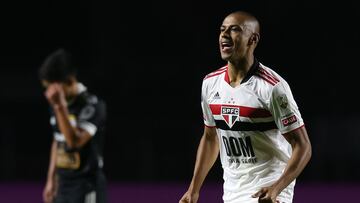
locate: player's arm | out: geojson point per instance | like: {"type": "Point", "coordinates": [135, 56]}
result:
{"type": "Point", "coordinates": [74, 137]}
{"type": "Point", "coordinates": [301, 154]}
{"type": "Point", "coordinates": [50, 187]}
{"type": "Point", "coordinates": [206, 156]}
{"type": "Point", "coordinates": [287, 116]}
{"type": "Point", "coordinates": [52, 163]}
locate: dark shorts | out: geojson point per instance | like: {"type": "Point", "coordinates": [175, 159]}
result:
{"type": "Point", "coordinates": [89, 190]}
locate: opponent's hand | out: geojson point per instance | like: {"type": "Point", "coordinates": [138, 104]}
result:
{"type": "Point", "coordinates": [189, 198]}
{"type": "Point", "coordinates": [55, 95]}
{"type": "Point", "coordinates": [266, 195]}
{"type": "Point", "coordinates": [49, 192]}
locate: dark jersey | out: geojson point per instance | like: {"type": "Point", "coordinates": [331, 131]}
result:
{"type": "Point", "coordinates": [87, 112]}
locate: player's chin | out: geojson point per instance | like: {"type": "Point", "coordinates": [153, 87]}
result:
{"type": "Point", "coordinates": [225, 56]}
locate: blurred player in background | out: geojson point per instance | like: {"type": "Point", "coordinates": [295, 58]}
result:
{"type": "Point", "coordinates": [78, 120]}
{"type": "Point", "coordinates": [252, 119]}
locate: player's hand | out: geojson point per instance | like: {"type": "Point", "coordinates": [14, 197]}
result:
{"type": "Point", "coordinates": [189, 197]}
{"type": "Point", "coordinates": [266, 195]}
{"type": "Point", "coordinates": [49, 192]}
{"type": "Point", "coordinates": [55, 95]}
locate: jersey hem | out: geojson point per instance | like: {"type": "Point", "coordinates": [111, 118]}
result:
{"type": "Point", "coordinates": [209, 126]}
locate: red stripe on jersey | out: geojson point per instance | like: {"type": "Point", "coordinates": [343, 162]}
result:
{"type": "Point", "coordinates": [222, 68]}
{"type": "Point", "coordinates": [218, 70]}
{"type": "Point", "coordinates": [266, 73]}
{"type": "Point", "coordinates": [227, 78]}
{"type": "Point", "coordinates": [214, 74]}
{"type": "Point", "coordinates": [264, 77]}
{"type": "Point", "coordinates": [245, 111]}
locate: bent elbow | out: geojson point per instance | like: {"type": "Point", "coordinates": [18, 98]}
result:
{"type": "Point", "coordinates": [71, 146]}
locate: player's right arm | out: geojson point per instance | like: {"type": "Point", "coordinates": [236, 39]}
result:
{"type": "Point", "coordinates": [50, 187]}
{"type": "Point", "coordinates": [206, 156]}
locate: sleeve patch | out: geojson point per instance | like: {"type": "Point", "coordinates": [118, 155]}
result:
{"type": "Point", "coordinates": [288, 120]}
{"type": "Point", "coordinates": [283, 101]}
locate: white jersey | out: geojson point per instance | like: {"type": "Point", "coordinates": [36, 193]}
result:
{"type": "Point", "coordinates": [250, 120]}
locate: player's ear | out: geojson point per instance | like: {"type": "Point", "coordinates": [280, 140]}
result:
{"type": "Point", "coordinates": [70, 80]}
{"type": "Point", "coordinates": [254, 39]}
{"type": "Point", "coordinates": [45, 83]}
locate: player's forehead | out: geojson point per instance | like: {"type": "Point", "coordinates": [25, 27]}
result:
{"type": "Point", "coordinates": [233, 20]}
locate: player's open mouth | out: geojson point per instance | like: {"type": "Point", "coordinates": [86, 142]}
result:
{"type": "Point", "coordinates": [226, 46]}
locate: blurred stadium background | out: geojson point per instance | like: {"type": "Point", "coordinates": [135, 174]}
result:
{"type": "Point", "coordinates": [147, 60]}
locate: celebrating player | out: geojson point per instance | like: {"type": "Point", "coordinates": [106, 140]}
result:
{"type": "Point", "coordinates": [252, 119]}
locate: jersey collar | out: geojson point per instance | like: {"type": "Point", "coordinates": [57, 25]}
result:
{"type": "Point", "coordinates": [81, 89]}
{"type": "Point", "coordinates": [254, 67]}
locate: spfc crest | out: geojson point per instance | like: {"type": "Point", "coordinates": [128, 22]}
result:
{"type": "Point", "coordinates": [230, 115]}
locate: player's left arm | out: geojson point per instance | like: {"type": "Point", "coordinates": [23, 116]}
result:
{"type": "Point", "coordinates": [301, 154]}
{"type": "Point", "coordinates": [75, 137]}
{"type": "Point", "coordinates": [288, 119]}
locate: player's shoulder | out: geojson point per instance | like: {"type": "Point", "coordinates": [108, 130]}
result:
{"type": "Point", "coordinates": [92, 103]}
{"type": "Point", "coordinates": [268, 75]}
{"type": "Point", "coordinates": [215, 74]}
{"type": "Point", "coordinates": [272, 83]}
{"type": "Point", "coordinates": [92, 99]}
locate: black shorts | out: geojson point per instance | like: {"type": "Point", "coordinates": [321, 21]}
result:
{"type": "Point", "coordinates": [89, 190]}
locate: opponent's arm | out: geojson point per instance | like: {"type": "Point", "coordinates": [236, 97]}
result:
{"type": "Point", "coordinates": [74, 137]}
{"type": "Point", "coordinates": [52, 163]}
{"type": "Point", "coordinates": [301, 154]}
{"type": "Point", "coordinates": [207, 154]}
{"type": "Point", "coordinates": [50, 187]}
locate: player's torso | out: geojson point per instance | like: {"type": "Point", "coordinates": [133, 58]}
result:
{"type": "Point", "coordinates": [251, 146]}
{"type": "Point", "coordinates": [78, 162]}
{"type": "Point", "coordinates": [242, 118]}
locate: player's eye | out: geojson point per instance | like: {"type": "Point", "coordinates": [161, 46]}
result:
{"type": "Point", "coordinates": [235, 29]}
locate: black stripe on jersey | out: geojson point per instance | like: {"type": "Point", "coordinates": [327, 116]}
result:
{"type": "Point", "coordinates": [246, 126]}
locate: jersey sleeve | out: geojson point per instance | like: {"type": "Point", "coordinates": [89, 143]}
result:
{"type": "Point", "coordinates": [207, 114]}
{"type": "Point", "coordinates": [284, 108]}
{"type": "Point", "coordinates": [92, 116]}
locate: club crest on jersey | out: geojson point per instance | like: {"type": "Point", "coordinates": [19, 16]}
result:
{"type": "Point", "coordinates": [230, 115]}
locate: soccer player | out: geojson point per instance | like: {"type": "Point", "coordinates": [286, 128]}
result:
{"type": "Point", "coordinates": [78, 121]}
{"type": "Point", "coordinates": [252, 119]}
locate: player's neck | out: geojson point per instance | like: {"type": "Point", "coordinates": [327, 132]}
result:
{"type": "Point", "coordinates": [237, 71]}
{"type": "Point", "coordinates": [74, 91]}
